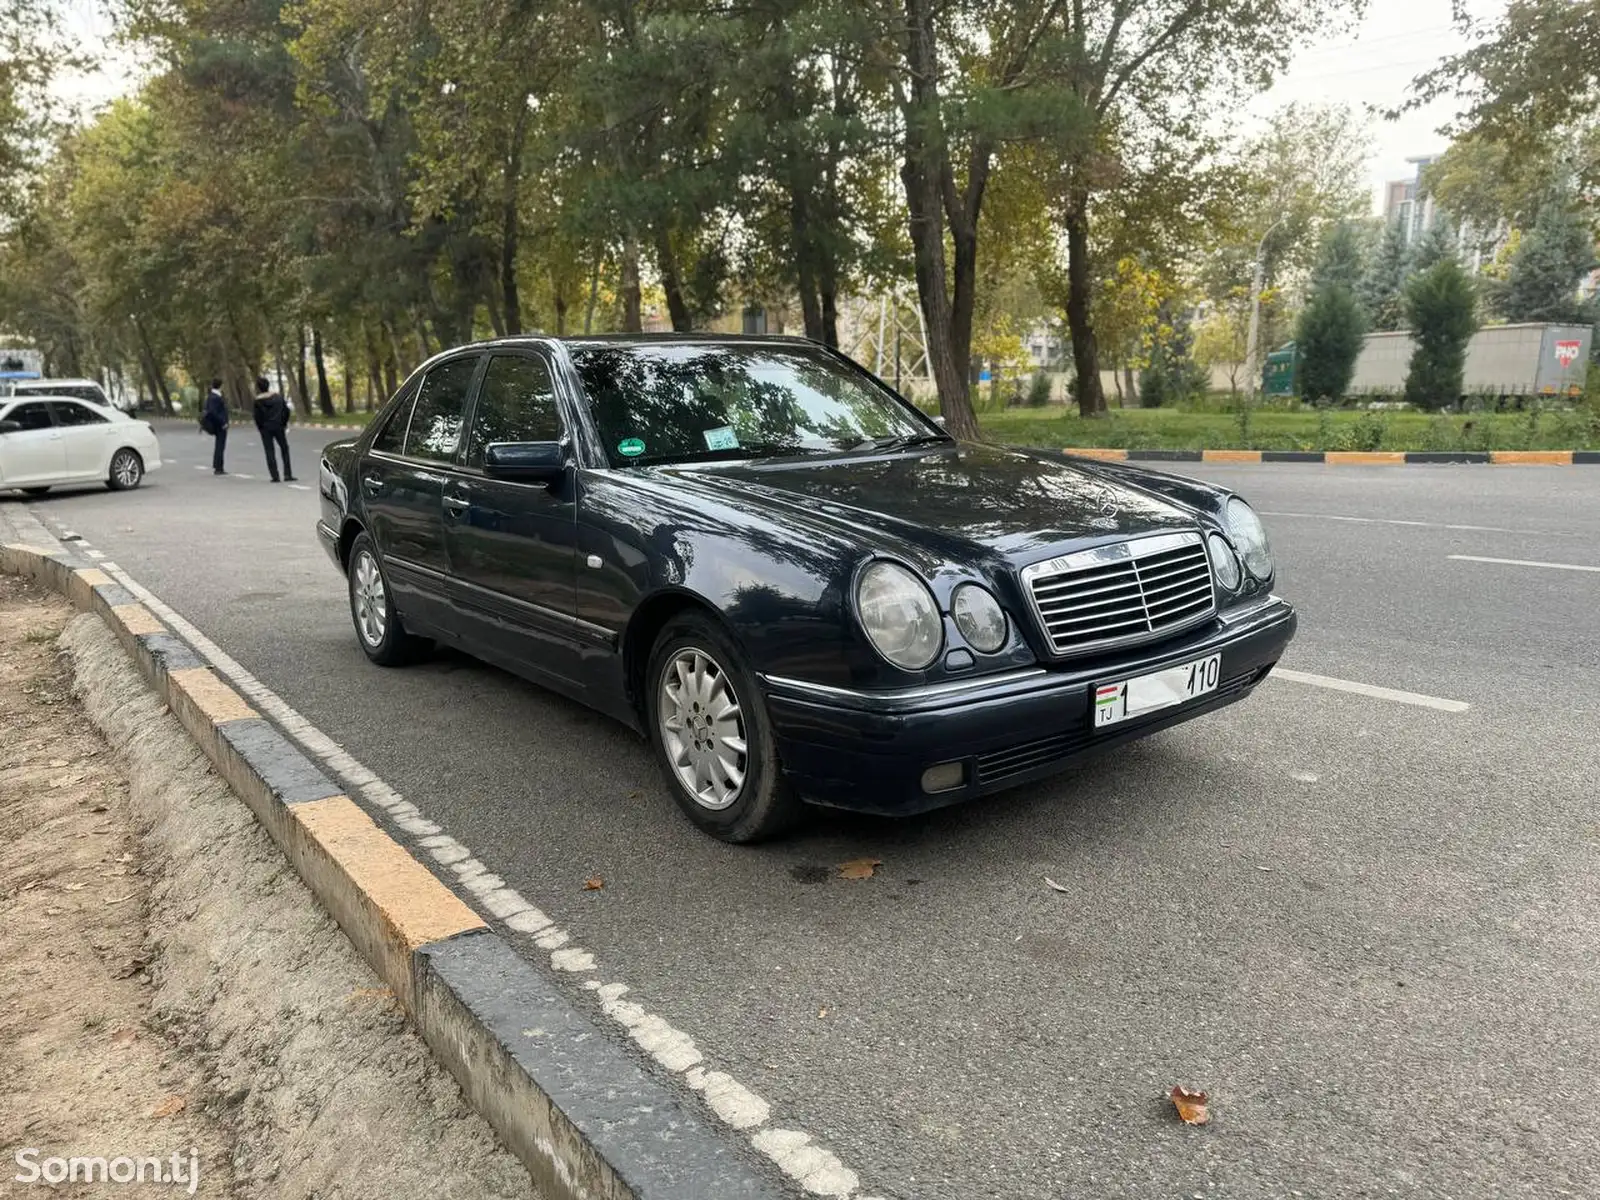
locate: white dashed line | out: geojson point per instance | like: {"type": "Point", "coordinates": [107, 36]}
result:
{"type": "Point", "coordinates": [242, 475]}
{"type": "Point", "coordinates": [299, 487]}
{"type": "Point", "coordinates": [1415, 699]}
{"type": "Point", "coordinates": [201, 467]}
{"type": "Point", "coordinates": [1520, 562]}
{"type": "Point", "coordinates": [815, 1169]}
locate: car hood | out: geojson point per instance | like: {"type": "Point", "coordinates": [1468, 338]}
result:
{"type": "Point", "coordinates": [970, 499]}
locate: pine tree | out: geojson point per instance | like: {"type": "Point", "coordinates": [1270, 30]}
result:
{"type": "Point", "coordinates": [1438, 244]}
{"type": "Point", "coordinates": [1173, 376]}
{"type": "Point", "coordinates": [1542, 281]}
{"type": "Point", "coordinates": [1382, 290]}
{"type": "Point", "coordinates": [1441, 307]}
{"type": "Point", "coordinates": [1339, 260]}
{"type": "Point", "coordinates": [1329, 338]}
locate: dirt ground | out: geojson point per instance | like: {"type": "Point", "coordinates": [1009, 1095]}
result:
{"type": "Point", "coordinates": [167, 984]}
{"type": "Point", "coordinates": [81, 1071]}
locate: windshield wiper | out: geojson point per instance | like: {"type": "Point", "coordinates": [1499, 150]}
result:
{"type": "Point", "coordinates": [902, 441]}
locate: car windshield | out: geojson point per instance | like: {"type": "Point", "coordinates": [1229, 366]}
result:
{"type": "Point", "coordinates": [685, 403]}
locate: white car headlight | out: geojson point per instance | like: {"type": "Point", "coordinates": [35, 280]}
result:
{"type": "Point", "coordinates": [979, 617]}
{"type": "Point", "coordinates": [899, 615]}
{"type": "Point", "coordinates": [1224, 564]}
{"type": "Point", "coordinates": [1250, 536]}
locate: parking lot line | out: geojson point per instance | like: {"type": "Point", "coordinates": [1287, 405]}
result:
{"type": "Point", "coordinates": [1416, 699]}
{"type": "Point", "coordinates": [1420, 524]}
{"type": "Point", "coordinates": [1522, 562]}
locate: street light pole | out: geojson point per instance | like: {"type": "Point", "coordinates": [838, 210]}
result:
{"type": "Point", "coordinates": [1257, 283]}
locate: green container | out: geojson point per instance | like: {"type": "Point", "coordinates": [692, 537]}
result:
{"type": "Point", "coordinates": [1278, 376]}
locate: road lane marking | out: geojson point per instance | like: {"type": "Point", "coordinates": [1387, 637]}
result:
{"type": "Point", "coordinates": [803, 1160]}
{"type": "Point", "coordinates": [1423, 524]}
{"type": "Point", "coordinates": [1522, 562]}
{"type": "Point", "coordinates": [201, 467]}
{"type": "Point", "coordinates": [1367, 689]}
{"type": "Point", "coordinates": [299, 487]}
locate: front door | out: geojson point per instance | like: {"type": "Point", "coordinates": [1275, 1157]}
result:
{"type": "Point", "coordinates": [35, 454]}
{"type": "Point", "coordinates": [402, 481]}
{"type": "Point", "coordinates": [87, 436]}
{"type": "Point", "coordinates": [513, 545]}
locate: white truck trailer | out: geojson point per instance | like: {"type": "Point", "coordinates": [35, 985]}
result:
{"type": "Point", "coordinates": [1502, 361]}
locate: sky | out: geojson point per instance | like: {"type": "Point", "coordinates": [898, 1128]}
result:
{"type": "Point", "coordinates": [1370, 64]}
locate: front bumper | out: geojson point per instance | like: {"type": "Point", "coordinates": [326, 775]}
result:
{"type": "Point", "coordinates": [868, 750]}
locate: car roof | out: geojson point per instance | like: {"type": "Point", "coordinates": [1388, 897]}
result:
{"type": "Point", "coordinates": [40, 383]}
{"type": "Point", "coordinates": [651, 339]}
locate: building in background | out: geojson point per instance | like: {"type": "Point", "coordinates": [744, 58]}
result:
{"type": "Point", "coordinates": [1407, 202]}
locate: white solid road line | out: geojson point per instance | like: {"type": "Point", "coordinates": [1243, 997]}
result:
{"type": "Point", "coordinates": [1366, 689]}
{"type": "Point", "coordinates": [1522, 562]}
{"type": "Point", "coordinates": [1422, 524]}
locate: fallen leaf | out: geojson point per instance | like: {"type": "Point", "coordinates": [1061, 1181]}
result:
{"type": "Point", "coordinates": [123, 1038]}
{"type": "Point", "coordinates": [859, 868]}
{"type": "Point", "coordinates": [1053, 885]}
{"type": "Point", "coordinates": [169, 1107]}
{"type": "Point", "coordinates": [822, 1012]}
{"type": "Point", "coordinates": [593, 884]}
{"type": "Point", "coordinates": [75, 887]}
{"type": "Point", "coordinates": [1191, 1105]}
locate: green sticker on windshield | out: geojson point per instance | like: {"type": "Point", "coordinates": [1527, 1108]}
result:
{"type": "Point", "coordinates": [630, 447]}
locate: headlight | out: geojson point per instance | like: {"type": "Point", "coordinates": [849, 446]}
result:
{"type": "Point", "coordinates": [899, 615]}
{"type": "Point", "coordinates": [979, 617]}
{"type": "Point", "coordinates": [1223, 562]}
{"type": "Point", "coordinates": [1249, 536]}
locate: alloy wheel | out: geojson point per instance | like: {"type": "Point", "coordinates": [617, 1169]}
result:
{"type": "Point", "coordinates": [371, 602]}
{"type": "Point", "coordinates": [702, 728]}
{"type": "Point", "coordinates": [125, 469]}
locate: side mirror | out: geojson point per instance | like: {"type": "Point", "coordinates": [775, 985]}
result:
{"type": "Point", "coordinates": [526, 462]}
{"type": "Point", "coordinates": [10, 426]}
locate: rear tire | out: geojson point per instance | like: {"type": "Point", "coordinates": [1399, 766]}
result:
{"type": "Point", "coordinates": [712, 736]}
{"type": "Point", "coordinates": [378, 627]}
{"type": "Point", "coordinates": [127, 470]}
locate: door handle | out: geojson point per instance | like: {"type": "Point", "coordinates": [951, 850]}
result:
{"type": "Point", "coordinates": [372, 483]}
{"type": "Point", "coordinates": [456, 505]}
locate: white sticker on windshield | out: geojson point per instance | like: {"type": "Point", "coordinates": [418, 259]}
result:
{"type": "Point", "coordinates": [721, 438]}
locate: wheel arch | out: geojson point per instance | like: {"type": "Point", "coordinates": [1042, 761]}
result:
{"type": "Point", "coordinates": [348, 532]}
{"type": "Point", "coordinates": [653, 615]}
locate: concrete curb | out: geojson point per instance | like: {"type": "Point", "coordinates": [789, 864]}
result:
{"type": "Point", "coordinates": [1367, 458]}
{"type": "Point", "coordinates": [581, 1115]}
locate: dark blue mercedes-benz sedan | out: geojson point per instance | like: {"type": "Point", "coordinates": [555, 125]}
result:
{"type": "Point", "coordinates": [795, 584]}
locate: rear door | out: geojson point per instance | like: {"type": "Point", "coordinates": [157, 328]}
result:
{"type": "Point", "coordinates": [86, 435]}
{"type": "Point", "coordinates": [35, 454]}
{"type": "Point", "coordinates": [513, 545]}
{"type": "Point", "coordinates": [402, 479]}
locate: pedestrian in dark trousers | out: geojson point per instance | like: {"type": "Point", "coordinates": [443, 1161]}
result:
{"type": "Point", "coordinates": [272, 419]}
{"type": "Point", "coordinates": [214, 420]}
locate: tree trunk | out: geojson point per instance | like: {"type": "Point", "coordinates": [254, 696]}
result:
{"type": "Point", "coordinates": [921, 174]}
{"type": "Point", "coordinates": [828, 283]}
{"type": "Point", "coordinates": [632, 316]}
{"type": "Point", "coordinates": [349, 382]}
{"type": "Point", "coordinates": [302, 396]}
{"type": "Point", "coordinates": [374, 370]}
{"type": "Point", "coordinates": [594, 296]}
{"type": "Point", "coordinates": [1116, 378]}
{"type": "Point", "coordinates": [157, 378]}
{"type": "Point", "coordinates": [561, 311]}
{"type": "Point", "coordinates": [510, 230]}
{"type": "Point", "coordinates": [671, 282]}
{"type": "Point", "coordinates": [324, 396]}
{"type": "Point", "coordinates": [492, 302]}
{"type": "Point", "coordinates": [1132, 392]}
{"type": "Point", "coordinates": [1085, 350]}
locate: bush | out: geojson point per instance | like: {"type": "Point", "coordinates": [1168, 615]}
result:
{"type": "Point", "coordinates": [1038, 390]}
{"type": "Point", "coordinates": [1329, 339]}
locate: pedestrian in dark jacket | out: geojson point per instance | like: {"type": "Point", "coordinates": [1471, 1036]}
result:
{"type": "Point", "coordinates": [214, 420]}
{"type": "Point", "coordinates": [272, 419]}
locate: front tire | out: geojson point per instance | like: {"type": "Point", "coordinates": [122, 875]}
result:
{"type": "Point", "coordinates": [378, 627]}
{"type": "Point", "coordinates": [712, 735]}
{"type": "Point", "coordinates": [127, 470]}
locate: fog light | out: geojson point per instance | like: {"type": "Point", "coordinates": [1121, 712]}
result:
{"type": "Point", "coordinates": [946, 777]}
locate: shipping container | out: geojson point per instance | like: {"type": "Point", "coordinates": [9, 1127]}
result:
{"type": "Point", "coordinates": [1502, 361]}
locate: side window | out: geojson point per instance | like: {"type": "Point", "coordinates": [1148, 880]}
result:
{"type": "Point", "coordinates": [391, 438]}
{"type": "Point", "coordinates": [35, 415]}
{"type": "Point", "coordinates": [517, 403]}
{"type": "Point", "coordinates": [441, 402]}
{"type": "Point", "coordinates": [77, 414]}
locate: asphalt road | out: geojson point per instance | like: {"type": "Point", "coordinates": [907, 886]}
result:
{"type": "Point", "coordinates": [1366, 928]}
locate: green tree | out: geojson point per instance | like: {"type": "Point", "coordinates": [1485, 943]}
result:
{"type": "Point", "coordinates": [1329, 338]}
{"type": "Point", "coordinates": [1436, 245]}
{"type": "Point", "coordinates": [1172, 376]}
{"type": "Point", "coordinates": [1442, 310]}
{"type": "Point", "coordinates": [1543, 275]}
{"type": "Point", "coordinates": [1341, 259]}
{"type": "Point", "coordinates": [1382, 288]}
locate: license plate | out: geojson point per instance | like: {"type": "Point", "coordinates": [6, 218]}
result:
{"type": "Point", "coordinates": [1132, 698]}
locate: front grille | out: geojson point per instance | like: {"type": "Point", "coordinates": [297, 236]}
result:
{"type": "Point", "coordinates": [1018, 760]}
{"type": "Point", "coordinates": [1127, 592]}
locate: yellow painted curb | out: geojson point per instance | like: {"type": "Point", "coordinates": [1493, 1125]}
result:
{"type": "Point", "coordinates": [1369, 458]}
{"type": "Point", "coordinates": [1531, 458]}
{"type": "Point", "coordinates": [136, 619]}
{"type": "Point", "coordinates": [200, 688]}
{"type": "Point", "coordinates": [408, 898]}
{"type": "Point", "coordinates": [1231, 456]}
{"type": "Point", "coordinates": [1100, 453]}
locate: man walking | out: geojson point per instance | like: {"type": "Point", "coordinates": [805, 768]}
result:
{"type": "Point", "coordinates": [272, 419]}
{"type": "Point", "coordinates": [214, 420]}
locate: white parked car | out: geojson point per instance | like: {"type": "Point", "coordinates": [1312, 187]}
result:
{"type": "Point", "coordinates": [63, 442]}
